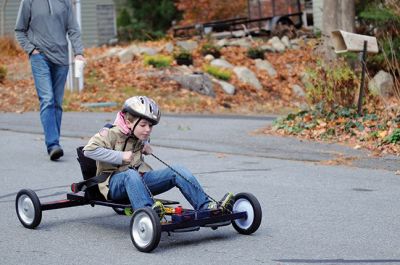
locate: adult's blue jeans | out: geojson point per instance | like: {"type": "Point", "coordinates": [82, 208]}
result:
{"type": "Point", "coordinates": [130, 184]}
{"type": "Point", "coordinates": [49, 82]}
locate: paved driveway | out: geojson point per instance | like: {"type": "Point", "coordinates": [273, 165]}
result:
{"type": "Point", "coordinates": [312, 213]}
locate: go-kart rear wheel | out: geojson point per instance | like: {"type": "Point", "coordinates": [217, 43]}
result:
{"type": "Point", "coordinates": [246, 202]}
{"type": "Point", "coordinates": [27, 205]}
{"type": "Point", "coordinates": [145, 229]}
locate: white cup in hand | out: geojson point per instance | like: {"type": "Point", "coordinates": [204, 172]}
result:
{"type": "Point", "coordinates": [79, 65]}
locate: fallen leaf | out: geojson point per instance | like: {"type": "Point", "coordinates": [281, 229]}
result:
{"type": "Point", "coordinates": [382, 134]}
{"type": "Point", "coordinates": [221, 155]}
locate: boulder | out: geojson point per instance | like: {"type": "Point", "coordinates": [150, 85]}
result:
{"type": "Point", "coordinates": [242, 42]}
{"type": "Point", "coordinates": [222, 43]}
{"type": "Point", "coordinates": [228, 88]}
{"type": "Point", "coordinates": [187, 45]}
{"type": "Point", "coordinates": [265, 65]}
{"type": "Point", "coordinates": [239, 34]}
{"type": "Point", "coordinates": [147, 50]}
{"type": "Point", "coordinates": [126, 55]}
{"type": "Point", "coordinates": [298, 91]}
{"type": "Point", "coordinates": [305, 79]}
{"type": "Point", "coordinates": [169, 47]}
{"type": "Point", "coordinates": [208, 58]}
{"type": "Point", "coordinates": [112, 52]}
{"type": "Point", "coordinates": [199, 82]}
{"type": "Point", "coordinates": [246, 76]}
{"type": "Point", "coordinates": [285, 40]}
{"type": "Point", "coordinates": [277, 44]}
{"type": "Point", "coordinates": [221, 63]}
{"type": "Point", "coordinates": [267, 48]}
{"type": "Point", "coordinates": [382, 84]}
{"type": "Point", "coordinates": [109, 53]}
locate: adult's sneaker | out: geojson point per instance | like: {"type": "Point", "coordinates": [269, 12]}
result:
{"type": "Point", "coordinates": [56, 153]}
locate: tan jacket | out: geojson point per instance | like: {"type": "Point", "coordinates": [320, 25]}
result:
{"type": "Point", "coordinates": [114, 139]}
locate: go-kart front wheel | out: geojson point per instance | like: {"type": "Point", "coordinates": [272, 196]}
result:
{"type": "Point", "coordinates": [28, 208]}
{"type": "Point", "coordinates": [246, 202]}
{"type": "Point", "coordinates": [145, 229]}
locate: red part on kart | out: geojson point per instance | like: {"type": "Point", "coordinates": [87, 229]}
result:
{"type": "Point", "coordinates": [178, 210]}
{"type": "Point", "coordinates": [74, 187]}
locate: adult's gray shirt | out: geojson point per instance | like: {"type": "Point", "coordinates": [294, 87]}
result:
{"type": "Point", "coordinates": [44, 25]}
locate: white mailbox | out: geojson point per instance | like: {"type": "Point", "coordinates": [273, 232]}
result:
{"type": "Point", "coordinates": [344, 41]}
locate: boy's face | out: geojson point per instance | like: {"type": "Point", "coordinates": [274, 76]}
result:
{"type": "Point", "coordinates": [142, 130]}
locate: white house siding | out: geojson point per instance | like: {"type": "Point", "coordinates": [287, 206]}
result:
{"type": "Point", "coordinates": [89, 22]}
{"type": "Point", "coordinates": [106, 23]}
{"type": "Point", "coordinates": [92, 35]}
{"type": "Point", "coordinates": [96, 22]}
{"type": "Point", "coordinates": [11, 12]}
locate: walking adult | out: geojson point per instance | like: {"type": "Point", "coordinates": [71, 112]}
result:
{"type": "Point", "coordinates": [41, 29]}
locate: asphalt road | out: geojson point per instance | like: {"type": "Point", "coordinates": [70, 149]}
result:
{"type": "Point", "coordinates": [312, 213]}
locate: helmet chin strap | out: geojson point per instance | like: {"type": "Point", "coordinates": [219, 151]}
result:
{"type": "Point", "coordinates": [134, 126]}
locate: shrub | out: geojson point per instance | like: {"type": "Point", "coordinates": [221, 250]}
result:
{"type": "Point", "coordinates": [138, 31]}
{"type": "Point", "coordinates": [255, 53]}
{"type": "Point", "coordinates": [335, 84]}
{"type": "Point", "coordinates": [183, 54]}
{"type": "Point", "coordinates": [158, 61]}
{"type": "Point", "coordinates": [3, 73]}
{"type": "Point", "coordinates": [382, 21]}
{"type": "Point", "coordinates": [124, 18]}
{"type": "Point", "coordinates": [183, 57]}
{"type": "Point", "coordinates": [209, 48]}
{"type": "Point", "coordinates": [218, 72]}
{"type": "Point", "coordinates": [394, 137]}
{"type": "Point", "coordinates": [9, 47]}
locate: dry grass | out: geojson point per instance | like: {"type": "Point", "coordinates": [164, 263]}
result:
{"type": "Point", "coordinates": [9, 47]}
{"type": "Point", "coordinates": [393, 66]}
{"type": "Point", "coordinates": [394, 6]}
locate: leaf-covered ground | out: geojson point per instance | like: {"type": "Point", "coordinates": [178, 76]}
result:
{"type": "Point", "coordinates": [108, 80]}
{"type": "Point", "coordinates": [377, 131]}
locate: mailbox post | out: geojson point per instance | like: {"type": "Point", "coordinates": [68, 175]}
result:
{"type": "Point", "coordinates": [350, 42]}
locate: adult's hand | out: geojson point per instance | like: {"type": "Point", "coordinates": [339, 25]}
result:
{"type": "Point", "coordinates": [80, 57]}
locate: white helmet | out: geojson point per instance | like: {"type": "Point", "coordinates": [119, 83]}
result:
{"type": "Point", "coordinates": [143, 107]}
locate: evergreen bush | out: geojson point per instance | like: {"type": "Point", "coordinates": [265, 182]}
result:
{"type": "Point", "coordinates": [158, 61]}
{"type": "Point", "coordinates": [218, 72]}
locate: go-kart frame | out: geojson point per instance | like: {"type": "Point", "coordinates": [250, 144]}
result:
{"type": "Point", "coordinates": [145, 225]}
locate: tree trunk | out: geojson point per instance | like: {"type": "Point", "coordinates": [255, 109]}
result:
{"type": "Point", "coordinates": [337, 14]}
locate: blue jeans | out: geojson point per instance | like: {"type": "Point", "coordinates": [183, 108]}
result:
{"type": "Point", "coordinates": [130, 184]}
{"type": "Point", "coordinates": [49, 82]}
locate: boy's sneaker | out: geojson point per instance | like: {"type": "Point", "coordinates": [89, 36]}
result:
{"type": "Point", "coordinates": [226, 203]}
{"type": "Point", "coordinates": [128, 211]}
{"type": "Point", "coordinates": [159, 208]}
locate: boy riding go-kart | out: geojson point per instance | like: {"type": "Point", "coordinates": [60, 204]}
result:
{"type": "Point", "coordinates": [123, 181]}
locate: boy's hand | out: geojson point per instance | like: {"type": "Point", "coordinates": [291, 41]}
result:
{"type": "Point", "coordinates": [127, 156]}
{"type": "Point", "coordinates": [147, 150]}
